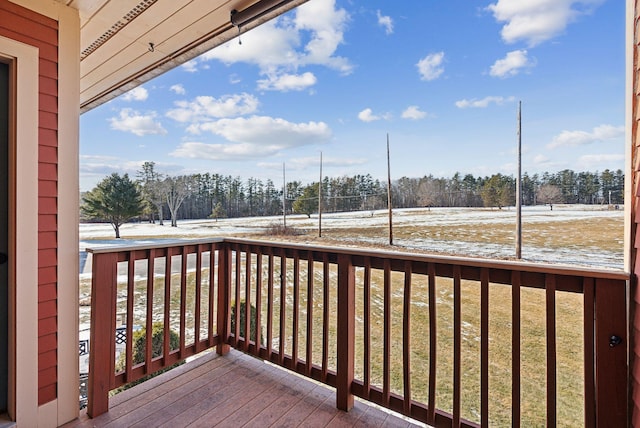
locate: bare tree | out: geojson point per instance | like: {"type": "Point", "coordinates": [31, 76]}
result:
{"type": "Point", "coordinates": [176, 190]}
{"type": "Point", "coordinates": [550, 194]}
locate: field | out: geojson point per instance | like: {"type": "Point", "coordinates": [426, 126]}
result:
{"type": "Point", "coordinates": [570, 235]}
{"type": "Point", "coordinates": [590, 235]}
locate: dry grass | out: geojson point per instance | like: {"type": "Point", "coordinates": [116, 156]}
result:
{"type": "Point", "coordinates": [601, 233]}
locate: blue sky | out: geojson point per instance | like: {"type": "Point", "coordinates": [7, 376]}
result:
{"type": "Point", "coordinates": [442, 78]}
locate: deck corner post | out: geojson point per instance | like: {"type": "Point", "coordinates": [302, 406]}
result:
{"type": "Point", "coordinates": [102, 346]}
{"type": "Point", "coordinates": [345, 333]}
{"type": "Point", "coordinates": [611, 347]}
{"type": "Point", "coordinates": [224, 289]}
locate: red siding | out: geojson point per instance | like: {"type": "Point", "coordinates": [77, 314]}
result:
{"type": "Point", "coordinates": [47, 206]}
{"type": "Point", "coordinates": [47, 275]}
{"type": "Point", "coordinates": [28, 27]}
{"type": "Point", "coordinates": [49, 343]}
{"type": "Point", "coordinates": [48, 154]}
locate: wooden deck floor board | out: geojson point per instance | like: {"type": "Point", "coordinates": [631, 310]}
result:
{"type": "Point", "coordinates": [165, 400]}
{"type": "Point", "coordinates": [231, 391]}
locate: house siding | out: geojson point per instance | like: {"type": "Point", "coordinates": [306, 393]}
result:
{"type": "Point", "coordinates": [34, 29]}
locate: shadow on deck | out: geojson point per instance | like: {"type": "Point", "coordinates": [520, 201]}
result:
{"type": "Point", "coordinates": [234, 390]}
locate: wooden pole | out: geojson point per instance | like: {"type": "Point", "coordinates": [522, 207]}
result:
{"type": "Point", "coordinates": [320, 200]}
{"type": "Point", "coordinates": [389, 194]}
{"type": "Point", "coordinates": [284, 198]}
{"type": "Point", "coordinates": [519, 187]}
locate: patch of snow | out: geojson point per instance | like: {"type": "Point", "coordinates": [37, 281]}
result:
{"type": "Point", "coordinates": [99, 235]}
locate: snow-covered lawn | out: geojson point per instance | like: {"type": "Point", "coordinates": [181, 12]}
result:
{"type": "Point", "coordinates": [439, 230]}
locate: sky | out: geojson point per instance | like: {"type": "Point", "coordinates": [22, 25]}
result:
{"type": "Point", "coordinates": [333, 78]}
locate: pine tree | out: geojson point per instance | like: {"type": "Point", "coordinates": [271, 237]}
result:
{"type": "Point", "coordinates": [115, 199]}
{"type": "Point", "coordinates": [307, 202]}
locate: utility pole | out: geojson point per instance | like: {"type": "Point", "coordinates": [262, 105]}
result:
{"type": "Point", "coordinates": [389, 194]}
{"type": "Point", "coordinates": [284, 199]}
{"type": "Point", "coordinates": [320, 200]}
{"type": "Point", "coordinates": [519, 187]}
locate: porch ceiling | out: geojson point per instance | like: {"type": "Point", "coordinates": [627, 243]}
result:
{"type": "Point", "coordinates": [116, 37]}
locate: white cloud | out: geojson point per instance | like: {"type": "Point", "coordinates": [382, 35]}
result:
{"type": "Point", "coordinates": [265, 134]}
{"type": "Point", "coordinates": [430, 67]}
{"type": "Point", "coordinates": [205, 107]}
{"type": "Point", "coordinates": [277, 47]}
{"type": "Point", "coordinates": [302, 164]}
{"type": "Point", "coordinates": [190, 66]}
{"type": "Point", "coordinates": [367, 115]}
{"type": "Point", "coordinates": [581, 138]}
{"type": "Point", "coordinates": [611, 161]}
{"type": "Point", "coordinates": [178, 89]}
{"type": "Point", "coordinates": [483, 103]}
{"type": "Point", "coordinates": [94, 168]}
{"type": "Point", "coordinates": [139, 124]}
{"type": "Point", "coordinates": [511, 64]}
{"type": "Point", "coordinates": [541, 161]}
{"type": "Point", "coordinates": [414, 113]}
{"type": "Point", "coordinates": [288, 82]}
{"type": "Point", "coordinates": [136, 94]}
{"type": "Point", "coordinates": [386, 22]}
{"type": "Point", "coordinates": [535, 21]}
{"type": "Point", "coordinates": [254, 137]}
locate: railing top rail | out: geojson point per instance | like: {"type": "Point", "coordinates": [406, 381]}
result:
{"type": "Point", "coordinates": [159, 244]}
{"type": "Point", "coordinates": [443, 259]}
{"type": "Point", "coordinates": [521, 266]}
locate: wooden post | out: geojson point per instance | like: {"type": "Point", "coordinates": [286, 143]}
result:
{"type": "Point", "coordinates": [346, 332]}
{"type": "Point", "coordinates": [224, 290]}
{"type": "Point", "coordinates": [103, 323]}
{"type": "Point", "coordinates": [611, 346]}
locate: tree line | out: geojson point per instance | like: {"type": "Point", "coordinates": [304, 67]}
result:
{"type": "Point", "coordinates": [154, 196]}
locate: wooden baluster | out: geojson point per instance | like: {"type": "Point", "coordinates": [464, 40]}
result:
{"type": "Point", "coordinates": [258, 301]}
{"type": "Point", "coordinates": [406, 338]}
{"type": "Point", "coordinates": [457, 344]}
{"type": "Point", "coordinates": [326, 307]}
{"type": "Point", "coordinates": [550, 286]}
{"type": "Point", "coordinates": [386, 328]}
{"type": "Point", "coordinates": [167, 307]}
{"type": "Point", "coordinates": [484, 347]}
{"type": "Point", "coordinates": [515, 349]}
{"type": "Point", "coordinates": [131, 275]}
{"type": "Point", "coordinates": [283, 307]}
{"type": "Point", "coordinates": [309, 332]}
{"type": "Point", "coordinates": [588, 290]}
{"type": "Point", "coordinates": [270, 270]}
{"type": "Point", "coordinates": [151, 255]}
{"type": "Point", "coordinates": [296, 311]}
{"type": "Point", "coordinates": [183, 301]}
{"type": "Point", "coordinates": [224, 291]}
{"type": "Point", "coordinates": [198, 303]}
{"type": "Point", "coordinates": [433, 342]}
{"type": "Point", "coordinates": [367, 327]}
{"type": "Point", "coordinates": [247, 300]}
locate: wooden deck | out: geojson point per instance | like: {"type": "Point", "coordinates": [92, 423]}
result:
{"type": "Point", "coordinates": [232, 391]}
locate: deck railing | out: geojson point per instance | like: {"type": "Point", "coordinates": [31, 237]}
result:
{"type": "Point", "coordinates": [447, 341]}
